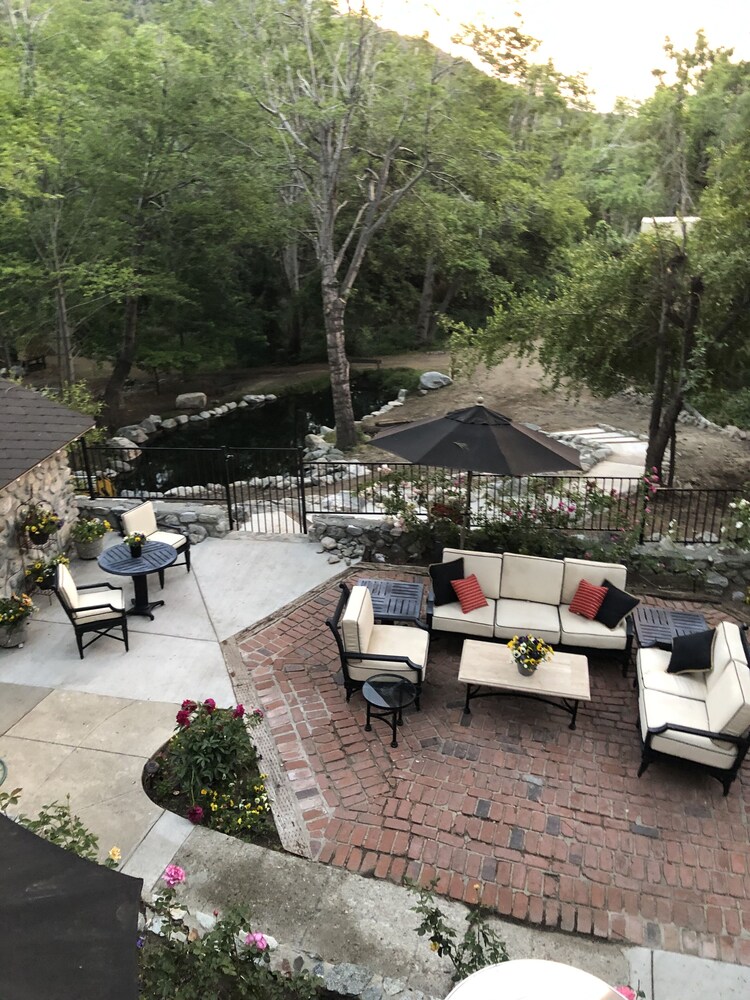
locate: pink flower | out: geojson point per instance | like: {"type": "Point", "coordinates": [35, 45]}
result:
{"type": "Point", "coordinates": [209, 704]}
{"type": "Point", "coordinates": [256, 939]}
{"type": "Point", "coordinates": [173, 875]}
{"type": "Point", "coordinates": [238, 712]}
{"type": "Point", "coordinates": [183, 718]}
{"type": "Point", "coordinates": [627, 992]}
{"type": "Point", "coordinates": [188, 705]}
{"type": "Point", "coordinates": [195, 814]}
{"type": "Point", "coordinates": [258, 713]}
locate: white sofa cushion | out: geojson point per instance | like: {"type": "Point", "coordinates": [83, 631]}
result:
{"type": "Point", "coordinates": [531, 578]}
{"type": "Point", "coordinates": [393, 640]}
{"type": "Point", "coordinates": [727, 646]}
{"type": "Point", "coordinates": [358, 621]}
{"type": "Point", "coordinates": [527, 618]}
{"type": "Point", "coordinates": [652, 674]}
{"type": "Point", "coordinates": [84, 612]}
{"type": "Point", "coordinates": [450, 618]}
{"type": "Point", "coordinates": [576, 570]}
{"type": "Point", "coordinates": [728, 700]}
{"type": "Point", "coordinates": [578, 631]}
{"type": "Point", "coordinates": [486, 567]}
{"type": "Point", "coordinates": [657, 709]}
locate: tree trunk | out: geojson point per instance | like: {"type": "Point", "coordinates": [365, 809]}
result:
{"type": "Point", "coordinates": [425, 318]}
{"type": "Point", "coordinates": [290, 257]}
{"type": "Point", "coordinates": [123, 364]}
{"type": "Point", "coordinates": [64, 340]}
{"type": "Point", "coordinates": [334, 308]}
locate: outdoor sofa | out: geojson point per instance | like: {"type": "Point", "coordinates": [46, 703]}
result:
{"type": "Point", "coordinates": [532, 595]}
{"type": "Point", "coordinates": [702, 713]}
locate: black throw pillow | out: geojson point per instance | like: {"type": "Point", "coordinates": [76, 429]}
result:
{"type": "Point", "coordinates": [442, 574]}
{"type": "Point", "coordinates": [691, 654]}
{"type": "Point", "coordinates": [617, 604]}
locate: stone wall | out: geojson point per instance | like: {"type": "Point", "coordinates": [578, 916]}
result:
{"type": "Point", "coordinates": [717, 571]}
{"type": "Point", "coordinates": [198, 521]}
{"type": "Point", "coordinates": [48, 482]}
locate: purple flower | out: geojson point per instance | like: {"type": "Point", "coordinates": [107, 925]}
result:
{"type": "Point", "coordinates": [140, 942]}
{"type": "Point", "coordinates": [256, 939]}
{"type": "Point", "coordinates": [238, 712]}
{"type": "Point", "coordinates": [195, 814]}
{"type": "Point", "coordinates": [173, 875]}
{"type": "Point", "coordinates": [209, 704]}
{"type": "Point", "coordinates": [183, 718]}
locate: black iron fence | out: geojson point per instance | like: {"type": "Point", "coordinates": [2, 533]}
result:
{"type": "Point", "coordinates": [274, 490]}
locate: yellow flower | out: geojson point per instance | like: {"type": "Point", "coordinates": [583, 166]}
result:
{"type": "Point", "coordinates": [115, 854]}
{"type": "Point", "coordinates": [434, 945]}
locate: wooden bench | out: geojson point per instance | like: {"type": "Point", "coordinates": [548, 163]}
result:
{"type": "Point", "coordinates": [366, 361]}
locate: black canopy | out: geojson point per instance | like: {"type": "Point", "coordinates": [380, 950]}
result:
{"type": "Point", "coordinates": [68, 927]}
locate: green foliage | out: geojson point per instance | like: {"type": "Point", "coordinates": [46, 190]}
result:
{"type": "Point", "coordinates": [479, 946]}
{"type": "Point", "coordinates": [58, 824]}
{"type": "Point", "coordinates": [77, 396]}
{"type": "Point", "coordinates": [220, 965]}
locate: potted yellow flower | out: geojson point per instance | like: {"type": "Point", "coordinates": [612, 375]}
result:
{"type": "Point", "coordinates": [39, 522]}
{"type": "Point", "coordinates": [41, 573]}
{"type": "Point", "coordinates": [88, 534]}
{"type": "Point", "coordinates": [15, 612]}
{"type": "Point", "coordinates": [529, 651]}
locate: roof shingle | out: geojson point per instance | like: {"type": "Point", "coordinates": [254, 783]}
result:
{"type": "Point", "coordinates": [33, 427]}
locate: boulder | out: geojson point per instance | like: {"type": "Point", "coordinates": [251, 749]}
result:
{"type": "Point", "coordinates": [129, 449]}
{"type": "Point", "coordinates": [434, 380]}
{"type": "Point", "coordinates": [191, 401]}
{"type": "Point", "coordinates": [149, 426]}
{"type": "Point", "coordinates": [134, 432]}
{"type": "Point", "coordinates": [169, 424]}
{"type": "Point", "coordinates": [181, 419]}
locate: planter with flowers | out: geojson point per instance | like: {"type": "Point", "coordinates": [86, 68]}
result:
{"type": "Point", "coordinates": [529, 651]}
{"type": "Point", "coordinates": [15, 612]}
{"type": "Point", "coordinates": [39, 521]}
{"type": "Point", "coordinates": [88, 534]}
{"type": "Point", "coordinates": [209, 772]}
{"type": "Point", "coordinates": [40, 575]}
{"type": "Point", "coordinates": [135, 542]}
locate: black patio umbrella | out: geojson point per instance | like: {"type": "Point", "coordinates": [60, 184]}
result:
{"type": "Point", "coordinates": [477, 439]}
{"type": "Point", "coordinates": [68, 927]}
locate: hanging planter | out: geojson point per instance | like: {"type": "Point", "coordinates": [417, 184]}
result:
{"type": "Point", "coordinates": [40, 575]}
{"type": "Point", "coordinates": [39, 522]}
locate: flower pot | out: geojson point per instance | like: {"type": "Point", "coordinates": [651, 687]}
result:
{"type": "Point", "coordinates": [524, 670]}
{"type": "Point", "coordinates": [39, 537]}
{"type": "Point", "coordinates": [15, 636]}
{"type": "Point", "coordinates": [136, 551]}
{"type": "Point", "coordinates": [90, 549]}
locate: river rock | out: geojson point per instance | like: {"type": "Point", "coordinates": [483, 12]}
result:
{"type": "Point", "coordinates": [434, 380]}
{"type": "Point", "coordinates": [181, 419]}
{"type": "Point", "coordinates": [191, 401]}
{"type": "Point", "coordinates": [130, 450]}
{"type": "Point", "coordinates": [149, 426]}
{"type": "Point", "coordinates": [134, 432]}
{"type": "Point", "coordinates": [169, 424]}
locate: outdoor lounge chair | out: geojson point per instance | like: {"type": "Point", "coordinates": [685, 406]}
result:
{"type": "Point", "coordinates": [142, 518]}
{"type": "Point", "coordinates": [367, 649]}
{"type": "Point", "coordinates": [99, 611]}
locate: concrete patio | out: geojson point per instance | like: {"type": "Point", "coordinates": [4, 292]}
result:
{"type": "Point", "coordinates": [86, 728]}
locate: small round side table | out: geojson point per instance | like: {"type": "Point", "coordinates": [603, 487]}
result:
{"type": "Point", "coordinates": [387, 695]}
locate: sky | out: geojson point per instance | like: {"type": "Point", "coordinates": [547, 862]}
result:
{"type": "Point", "coordinates": [615, 44]}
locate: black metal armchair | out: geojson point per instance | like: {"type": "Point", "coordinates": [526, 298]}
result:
{"type": "Point", "coordinates": [99, 611]}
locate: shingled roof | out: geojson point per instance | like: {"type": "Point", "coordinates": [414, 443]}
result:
{"type": "Point", "coordinates": [32, 428]}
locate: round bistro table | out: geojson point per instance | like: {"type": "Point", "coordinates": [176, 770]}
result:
{"type": "Point", "coordinates": [389, 695]}
{"type": "Point", "coordinates": [154, 556]}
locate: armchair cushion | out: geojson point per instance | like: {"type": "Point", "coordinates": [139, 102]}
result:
{"type": "Point", "coordinates": [393, 640]}
{"type": "Point", "coordinates": [728, 700]}
{"type": "Point", "coordinates": [469, 594]}
{"type": "Point", "coordinates": [442, 574]}
{"type": "Point", "coordinates": [358, 621]}
{"type": "Point", "coordinates": [658, 709]}
{"type": "Point", "coordinates": [616, 606]}
{"type": "Point", "coordinates": [654, 675]}
{"type": "Point", "coordinates": [66, 586]}
{"type": "Point", "coordinates": [84, 611]}
{"type": "Point", "coordinates": [691, 653]}
{"type": "Point", "coordinates": [173, 538]}
{"type": "Point", "coordinates": [140, 518]}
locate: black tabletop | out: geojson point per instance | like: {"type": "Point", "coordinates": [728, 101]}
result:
{"type": "Point", "coordinates": [154, 556]}
{"type": "Point", "coordinates": [389, 691]}
{"type": "Point", "coordinates": [395, 600]}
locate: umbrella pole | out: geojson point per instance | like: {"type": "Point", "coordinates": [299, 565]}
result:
{"type": "Point", "coordinates": [466, 523]}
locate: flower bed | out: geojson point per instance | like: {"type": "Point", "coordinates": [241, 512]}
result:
{"type": "Point", "coordinates": [209, 772]}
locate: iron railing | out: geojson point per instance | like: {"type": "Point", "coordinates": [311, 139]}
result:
{"type": "Point", "coordinates": [273, 490]}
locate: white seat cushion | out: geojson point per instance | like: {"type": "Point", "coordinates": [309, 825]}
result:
{"type": "Point", "coordinates": [398, 640]}
{"type": "Point", "coordinates": [652, 674]}
{"type": "Point", "coordinates": [450, 618]}
{"type": "Point", "coordinates": [88, 597]}
{"type": "Point", "coordinates": [578, 631]}
{"type": "Point", "coordinates": [527, 618]}
{"type": "Point", "coordinates": [531, 578]}
{"type": "Point", "coordinates": [173, 538]}
{"type": "Point", "coordinates": [657, 709]}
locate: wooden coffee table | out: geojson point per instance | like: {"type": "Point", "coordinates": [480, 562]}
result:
{"type": "Point", "coordinates": [564, 677]}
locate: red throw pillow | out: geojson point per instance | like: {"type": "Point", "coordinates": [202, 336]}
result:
{"type": "Point", "coordinates": [469, 594]}
{"type": "Point", "coordinates": [588, 599]}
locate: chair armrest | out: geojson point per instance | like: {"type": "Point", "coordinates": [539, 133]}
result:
{"type": "Point", "coordinates": [674, 727]}
{"type": "Point", "coordinates": [98, 607]}
{"type": "Point", "coordinates": [385, 658]}
{"type": "Point", "coordinates": [98, 586]}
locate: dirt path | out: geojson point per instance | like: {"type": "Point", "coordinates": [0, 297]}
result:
{"type": "Point", "coordinates": [704, 458]}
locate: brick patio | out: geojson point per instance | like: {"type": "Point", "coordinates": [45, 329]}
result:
{"type": "Point", "coordinates": [553, 825]}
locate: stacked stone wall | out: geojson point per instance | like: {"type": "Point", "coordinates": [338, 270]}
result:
{"type": "Point", "coordinates": [197, 521]}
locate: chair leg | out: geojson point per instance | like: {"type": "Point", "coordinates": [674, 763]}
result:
{"type": "Point", "coordinates": [79, 641]}
{"type": "Point", "coordinates": [125, 632]}
{"type": "Point", "coordinates": [187, 557]}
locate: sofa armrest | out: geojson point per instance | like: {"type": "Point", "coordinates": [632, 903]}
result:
{"type": "Point", "coordinates": [674, 727]}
